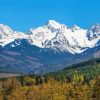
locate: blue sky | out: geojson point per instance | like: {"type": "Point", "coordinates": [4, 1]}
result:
{"type": "Point", "coordinates": [24, 14]}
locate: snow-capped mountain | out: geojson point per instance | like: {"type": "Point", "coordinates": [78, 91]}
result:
{"type": "Point", "coordinates": [55, 35]}
{"type": "Point", "coordinates": [50, 43]}
{"type": "Point", "coordinates": [7, 35]}
{"type": "Point", "coordinates": [74, 40]}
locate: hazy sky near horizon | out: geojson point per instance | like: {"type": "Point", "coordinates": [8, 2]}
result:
{"type": "Point", "coordinates": [21, 15]}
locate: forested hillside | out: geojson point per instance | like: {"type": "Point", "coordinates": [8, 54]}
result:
{"type": "Point", "coordinates": [77, 82]}
{"type": "Point", "coordinates": [89, 69]}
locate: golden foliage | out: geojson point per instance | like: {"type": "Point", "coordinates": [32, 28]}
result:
{"type": "Point", "coordinates": [11, 89]}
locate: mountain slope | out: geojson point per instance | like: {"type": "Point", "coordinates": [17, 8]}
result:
{"type": "Point", "coordinates": [89, 69]}
{"type": "Point", "coordinates": [47, 48]}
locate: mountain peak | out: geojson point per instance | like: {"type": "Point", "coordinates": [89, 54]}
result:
{"type": "Point", "coordinates": [53, 24]}
{"type": "Point", "coordinates": [95, 27]}
{"type": "Point", "coordinates": [94, 32]}
{"type": "Point", "coordinates": [2, 26]}
{"type": "Point", "coordinates": [4, 29]}
{"type": "Point", "coordinates": [75, 27]}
